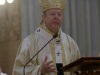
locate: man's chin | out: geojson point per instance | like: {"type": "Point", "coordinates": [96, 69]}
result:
{"type": "Point", "coordinates": [56, 27]}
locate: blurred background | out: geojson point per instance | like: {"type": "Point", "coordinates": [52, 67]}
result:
{"type": "Point", "coordinates": [19, 18]}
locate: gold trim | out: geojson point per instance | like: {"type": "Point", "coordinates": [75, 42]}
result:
{"type": "Point", "coordinates": [48, 4]}
{"type": "Point", "coordinates": [53, 54]}
{"type": "Point", "coordinates": [63, 57]}
{"type": "Point", "coordinates": [44, 27]}
{"type": "Point", "coordinates": [52, 47]}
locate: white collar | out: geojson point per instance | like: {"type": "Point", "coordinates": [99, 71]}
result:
{"type": "Point", "coordinates": [46, 35]}
{"type": "Point", "coordinates": [43, 33]}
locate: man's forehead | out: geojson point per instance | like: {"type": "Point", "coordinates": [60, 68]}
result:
{"type": "Point", "coordinates": [54, 10]}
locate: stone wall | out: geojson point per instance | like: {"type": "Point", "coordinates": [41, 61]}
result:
{"type": "Point", "coordinates": [10, 34]}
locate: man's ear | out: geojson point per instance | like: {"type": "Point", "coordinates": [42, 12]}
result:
{"type": "Point", "coordinates": [43, 17]}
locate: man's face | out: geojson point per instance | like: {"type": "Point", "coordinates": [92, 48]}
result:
{"type": "Point", "coordinates": [53, 19]}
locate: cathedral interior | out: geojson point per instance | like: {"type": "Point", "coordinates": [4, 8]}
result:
{"type": "Point", "coordinates": [20, 18]}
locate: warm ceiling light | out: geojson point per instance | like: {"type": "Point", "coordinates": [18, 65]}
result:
{"type": "Point", "coordinates": [10, 1]}
{"type": "Point", "coordinates": [2, 2]}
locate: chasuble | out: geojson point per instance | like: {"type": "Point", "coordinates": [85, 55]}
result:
{"type": "Point", "coordinates": [62, 50]}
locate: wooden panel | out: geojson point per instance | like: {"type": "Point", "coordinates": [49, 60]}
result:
{"type": "Point", "coordinates": [83, 64]}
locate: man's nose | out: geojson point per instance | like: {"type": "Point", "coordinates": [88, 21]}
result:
{"type": "Point", "coordinates": [56, 16]}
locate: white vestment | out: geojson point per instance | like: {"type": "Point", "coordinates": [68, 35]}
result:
{"type": "Point", "coordinates": [60, 50]}
{"type": "Point", "coordinates": [3, 73]}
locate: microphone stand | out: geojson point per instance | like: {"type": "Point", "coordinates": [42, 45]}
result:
{"type": "Point", "coordinates": [38, 52]}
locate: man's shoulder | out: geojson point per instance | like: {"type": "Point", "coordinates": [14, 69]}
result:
{"type": "Point", "coordinates": [31, 37]}
{"type": "Point", "coordinates": [66, 36]}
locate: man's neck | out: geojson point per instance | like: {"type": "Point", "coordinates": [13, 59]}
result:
{"type": "Point", "coordinates": [43, 26]}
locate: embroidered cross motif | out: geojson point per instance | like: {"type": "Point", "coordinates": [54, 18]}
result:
{"type": "Point", "coordinates": [58, 41]}
{"type": "Point", "coordinates": [38, 30]}
{"type": "Point", "coordinates": [58, 53]}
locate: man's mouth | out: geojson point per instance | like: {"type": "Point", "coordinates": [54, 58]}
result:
{"type": "Point", "coordinates": [56, 22]}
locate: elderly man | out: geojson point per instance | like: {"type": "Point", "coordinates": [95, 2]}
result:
{"type": "Point", "coordinates": [61, 51]}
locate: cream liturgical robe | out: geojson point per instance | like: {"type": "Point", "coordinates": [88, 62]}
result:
{"type": "Point", "coordinates": [62, 49]}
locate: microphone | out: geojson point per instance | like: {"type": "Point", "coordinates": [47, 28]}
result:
{"type": "Point", "coordinates": [54, 36]}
